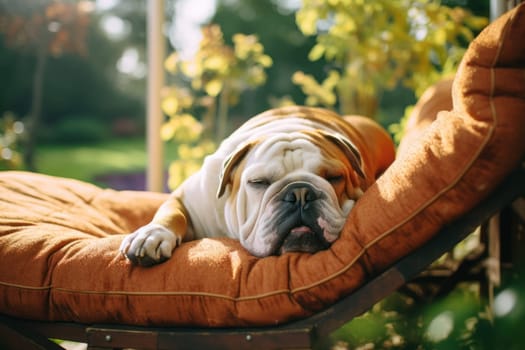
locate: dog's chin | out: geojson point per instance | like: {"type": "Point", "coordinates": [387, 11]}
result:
{"type": "Point", "coordinates": [303, 239]}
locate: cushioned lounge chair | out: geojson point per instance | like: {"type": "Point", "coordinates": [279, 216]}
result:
{"type": "Point", "coordinates": [60, 275]}
{"type": "Point", "coordinates": [301, 334]}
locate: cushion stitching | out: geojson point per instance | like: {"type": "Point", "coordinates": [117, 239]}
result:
{"type": "Point", "coordinates": [139, 293]}
{"type": "Point", "coordinates": [330, 277]}
{"type": "Point", "coordinates": [173, 293]}
{"type": "Point", "coordinates": [21, 286]}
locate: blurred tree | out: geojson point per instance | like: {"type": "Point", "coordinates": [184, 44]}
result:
{"type": "Point", "coordinates": [374, 45]}
{"type": "Point", "coordinates": [46, 28]}
{"type": "Point", "coordinates": [124, 26]}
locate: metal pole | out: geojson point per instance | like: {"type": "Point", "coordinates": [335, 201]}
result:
{"type": "Point", "coordinates": [497, 8]}
{"type": "Point", "coordinates": [155, 82]}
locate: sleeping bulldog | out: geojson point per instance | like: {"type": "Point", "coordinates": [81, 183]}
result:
{"type": "Point", "coordinates": [284, 181]}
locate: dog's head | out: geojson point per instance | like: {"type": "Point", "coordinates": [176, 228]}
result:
{"type": "Point", "coordinates": [290, 191]}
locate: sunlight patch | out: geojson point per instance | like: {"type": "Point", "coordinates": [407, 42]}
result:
{"type": "Point", "coordinates": [441, 327]}
{"type": "Point", "coordinates": [505, 302]}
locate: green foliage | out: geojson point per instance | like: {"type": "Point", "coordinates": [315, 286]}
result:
{"type": "Point", "coordinates": [72, 84]}
{"type": "Point", "coordinates": [374, 45]}
{"type": "Point", "coordinates": [75, 86]}
{"type": "Point", "coordinates": [398, 129]}
{"type": "Point", "coordinates": [46, 28]}
{"type": "Point", "coordinates": [457, 321]}
{"type": "Point", "coordinates": [211, 81]}
{"type": "Point", "coordinates": [80, 129]}
{"type": "Point", "coordinates": [461, 319]}
{"type": "Point", "coordinates": [85, 161]}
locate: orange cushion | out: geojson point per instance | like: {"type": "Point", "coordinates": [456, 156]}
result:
{"type": "Point", "coordinates": [59, 238]}
{"type": "Point", "coordinates": [435, 99]}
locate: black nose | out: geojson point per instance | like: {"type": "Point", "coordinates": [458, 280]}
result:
{"type": "Point", "coordinates": [300, 194]}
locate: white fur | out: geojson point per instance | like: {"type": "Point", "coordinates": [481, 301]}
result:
{"type": "Point", "coordinates": [285, 156]}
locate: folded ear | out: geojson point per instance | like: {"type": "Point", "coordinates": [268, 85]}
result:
{"type": "Point", "coordinates": [349, 149]}
{"type": "Point", "coordinates": [229, 165]}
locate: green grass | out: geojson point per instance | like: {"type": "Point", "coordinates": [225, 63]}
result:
{"type": "Point", "coordinates": [85, 161]}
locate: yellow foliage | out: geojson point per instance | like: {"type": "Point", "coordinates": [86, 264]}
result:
{"type": "Point", "coordinates": [11, 131]}
{"type": "Point", "coordinates": [265, 61]}
{"type": "Point", "coordinates": [476, 21]}
{"type": "Point", "coordinates": [197, 152]}
{"type": "Point", "coordinates": [307, 20]}
{"type": "Point", "coordinates": [316, 53]}
{"type": "Point", "coordinates": [217, 65]}
{"type": "Point", "coordinates": [245, 45]}
{"type": "Point", "coordinates": [211, 80]}
{"type": "Point", "coordinates": [171, 63]}
{"type": "Point", "coordinates": [189, 161]}
{"type": "Point", "coordinates": [318, 94]}
{"type": "Point", "coordinates": [440, 36]}
{"type": "Point", "coordinates": [213, 87]}
{"type": "Point", "coordinates": [182, 127]}
{"type": "Point", "coordinates": [191, 69]}
{"type": "Point", "coordinates": [175, 99]}
{"type": "Point", "coordinates": [380, 43]}
{"type": "Point", "coordinates": [284, 101]}
{"type": "Point", "coordinates": [170, 105]}
{"type": "Point", "coordinates": [180, 170]}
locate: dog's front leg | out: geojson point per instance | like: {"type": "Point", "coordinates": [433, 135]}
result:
{"type": "Point", "coordinates": [154, 243]}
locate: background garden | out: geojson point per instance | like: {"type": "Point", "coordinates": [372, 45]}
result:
{"type": "Point", "coordinates": [72, 104]}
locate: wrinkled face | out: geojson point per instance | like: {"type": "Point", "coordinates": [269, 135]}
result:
{"type": "Point", "coordinates": [291, 192]}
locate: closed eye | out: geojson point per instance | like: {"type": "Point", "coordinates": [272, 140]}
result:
{"type": "Point", "coordinates": [334, 179]}
{"type": "Point", "coordinates": [259, 183]}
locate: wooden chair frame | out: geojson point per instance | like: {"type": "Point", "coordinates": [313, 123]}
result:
{"type": "Point", "coordinates": [301, 334]}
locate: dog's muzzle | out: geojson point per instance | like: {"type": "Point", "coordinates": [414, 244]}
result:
{"type": "Point", "coordinates": [298, 225]}
{"type": "Point", "coordinates": [301, 194]}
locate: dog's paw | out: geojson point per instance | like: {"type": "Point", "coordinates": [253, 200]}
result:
{"type": "Point", "coordinates": [149, 245]}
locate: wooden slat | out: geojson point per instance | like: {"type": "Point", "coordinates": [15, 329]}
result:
{"type": "Point", "coordinates": [106, 336]}
{"type": "Point", "coordinates": [241, 339]}
{"type": "Point", "coordinates": [12, 336]}
{"type": "Point", "coordinates": [123, 337]}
